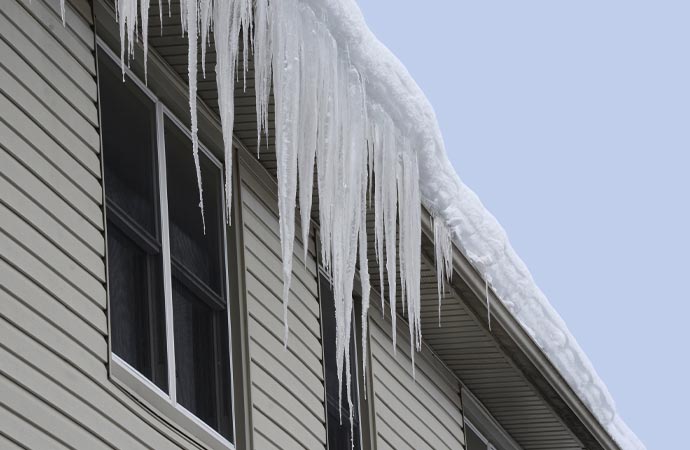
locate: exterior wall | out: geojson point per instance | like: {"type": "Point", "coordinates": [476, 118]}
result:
{"type": "Point", "coordinates": [54, 387]}
{"type": "Point", "coordinates": [420, 413]}
{"type": "Point", "coordinates": [287, 390]}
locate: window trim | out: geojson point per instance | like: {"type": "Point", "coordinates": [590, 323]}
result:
{"type": "Point", "coordinates": [120, 372]}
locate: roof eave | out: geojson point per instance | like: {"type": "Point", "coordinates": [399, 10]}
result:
{"type": "Point", "coordinates": [529, 358]}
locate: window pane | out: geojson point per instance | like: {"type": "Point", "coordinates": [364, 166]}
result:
{"type": "Point", "coordinates": [202, 360]}
{"type": "Point", "coordinates": [199, 253]}
{"type": "Point", "coordinates": [129, 146]}
{"type": "Point", "coordinates": [474, 442]}
{"type": "Point", "coordinates": [339, 436]}
{"type": "Point", "coordinates": [136, 307]}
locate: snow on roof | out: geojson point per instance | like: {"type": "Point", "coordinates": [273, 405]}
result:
{"type": "Point", "coordinates": [360, 112]}
{"type": "Point", "coordinates": [475, 231]}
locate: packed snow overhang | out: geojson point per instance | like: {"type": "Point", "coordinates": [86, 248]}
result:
{"type": "Point", "coordinates": [347, 104]}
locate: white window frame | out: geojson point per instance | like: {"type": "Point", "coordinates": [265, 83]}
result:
{"type": "Point", "coordinates": [120, 371]}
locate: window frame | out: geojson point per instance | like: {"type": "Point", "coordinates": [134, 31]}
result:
{"type": "Point", "coordinates": [122, 373]}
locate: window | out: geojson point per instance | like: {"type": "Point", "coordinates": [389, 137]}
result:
{"type": "Point", "coordinates": [167, 280]}
{"type": "Point", "coordinates": [339, 435]}
{"type": "Point", "coordinates": [475, 440]}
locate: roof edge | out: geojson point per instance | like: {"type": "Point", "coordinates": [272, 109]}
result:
{"type": "Point", "coordinates": [512, 328]}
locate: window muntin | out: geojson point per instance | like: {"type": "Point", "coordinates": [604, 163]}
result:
{"type": "Point", "coordinates": [169, 316]}
{"type": "Point", "coordinates": [339, 432]}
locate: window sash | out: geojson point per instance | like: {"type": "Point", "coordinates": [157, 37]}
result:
{"type": "Point", "coordinates": [218, 302]}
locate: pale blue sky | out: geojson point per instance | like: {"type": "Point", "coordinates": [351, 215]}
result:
{"type": "Point", "coordinates": [571, 120]}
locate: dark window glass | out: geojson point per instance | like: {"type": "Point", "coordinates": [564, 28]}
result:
{"type": "Point", "coordinates": [137, 307]}
{"type": "Point", "coordinates": [129, 140]}
{"type": "Point", "coordinates": [474, 442]}
{"type": "Point", "coordinates": [202, 357]}
{"type": "Point", "coordinates": [200, 253]}
{"type": "Point", "coordinates": [339, 435]}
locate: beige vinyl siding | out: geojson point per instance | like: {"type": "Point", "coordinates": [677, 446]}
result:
{"type": "Point", "coordinates": [412, 413]}
{"type": "Point", "coordinates": [287, 391]}
{"type": "Point", "coordinates": [54, 387]}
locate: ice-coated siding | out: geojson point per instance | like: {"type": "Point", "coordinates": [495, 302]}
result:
{"type": "Point", "coordinates": [54, 387]}
{"type": "Point", "coordinates": [420, 413]}
{"type": "Point", "coordinates": [287, 391]}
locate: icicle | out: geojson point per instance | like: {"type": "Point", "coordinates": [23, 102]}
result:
{"type": "Point", "coordinates": [160, 14]}
{"type": "Point", "coordinates": [410, 246]}
{"type": "Point", "coordinates": [308, 114]}
{"type": "Point", "coordinates": [488, 300]}
{"type": "Point", "coordinates": [388, 177]}
{"type": "Point", "coordinates": [443, 251]}
{"type": "Point", "coordinates": [191, 22]}
{"type": "Point", "coordinates": [205, 20]}
{"type": "Point", "coordinates": [262, 68]}
{"type": "Point", "coordinates": [377, 168]}
{"type": "Point", "coordinates": [286, 81]}
{"type": "Point", "coordinates": [228, 18]}
{"type": "Point", "coordinates": [366, 290]}
{"type": "Point", "coordinates": [246, 21]}
{"type": "Point", "coordinates": [145, 35]}
{"type": "Point", "coordinates": [183, 16]}
{"type": "Point", "coordinates": [364, 265]}
{"type": "Point", "coordinates": [126, 16]}
{"type": "Point", "coordinates": [62, 11]}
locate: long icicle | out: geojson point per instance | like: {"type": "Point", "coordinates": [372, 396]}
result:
{"type": "Point", "coordinates": [285, 20]}
{"type": "Point", "coordinates": [192, 22]}
{"type": "Point", "coordinates": [262, 69]}
{"type": "Point", "coordinates": [145, 35]}
{"type": "Point", "coordinates": [443, 252]}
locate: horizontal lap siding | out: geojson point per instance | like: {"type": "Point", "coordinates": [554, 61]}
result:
{"type": "Point", "coordinates": [287, 391]}
{"type": "Point", "coordinates": [54, 385]}
{"type": "Point", "coordinates": [412, 413]}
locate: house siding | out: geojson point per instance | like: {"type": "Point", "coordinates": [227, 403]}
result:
{"type": "Point", "coordinates": [287, 390]}
{"type": "Point", "coordinates": [54, 386]}
{"type": "Point", "coordinates": [423, 412]}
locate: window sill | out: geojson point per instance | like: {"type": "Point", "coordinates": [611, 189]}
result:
{"type": "Point", "coordinates": [159, 403]}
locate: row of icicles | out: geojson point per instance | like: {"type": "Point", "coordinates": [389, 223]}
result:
{"type": "Point", "coordinates": [322, 117]}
